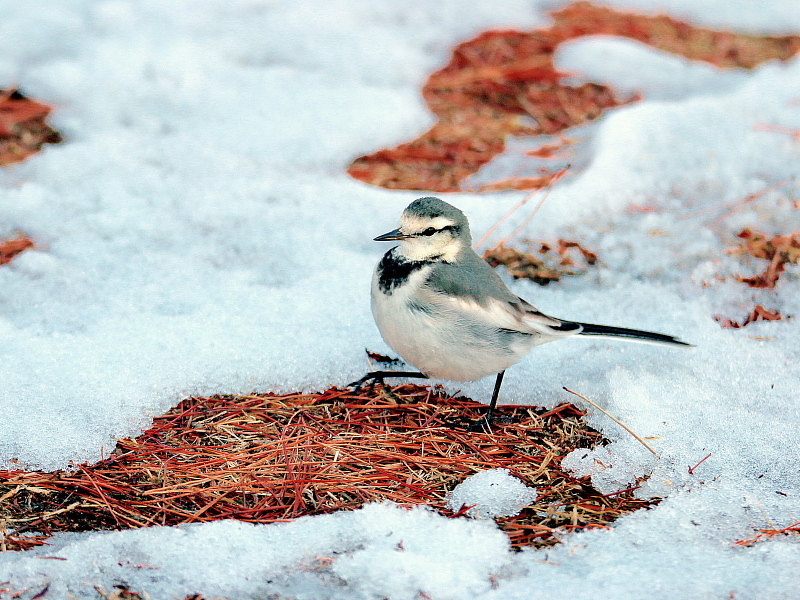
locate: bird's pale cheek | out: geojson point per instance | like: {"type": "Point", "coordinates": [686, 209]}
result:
{"type": "Point", "coordinates": [450, 250]}
{"type": "Point", "coordinates": [413, 250]}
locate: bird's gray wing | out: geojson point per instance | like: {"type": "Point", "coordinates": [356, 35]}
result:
{"type": "Point", "coordinates": [469, 286]}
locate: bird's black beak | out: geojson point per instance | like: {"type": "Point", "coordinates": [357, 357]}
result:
{"type": "Point", "coordinates": [391, 236]}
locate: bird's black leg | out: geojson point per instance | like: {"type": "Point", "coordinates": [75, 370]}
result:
{"type": "Point", "coordinates": [497, 383]}
{"type": "Point", "coordinates": [376, 376]}
{"type": "Point", "coordinates": [484, 423]}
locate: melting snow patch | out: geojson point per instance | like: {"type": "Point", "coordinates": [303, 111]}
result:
{"type": "Point", "coordinates": [493, 493]}
{"type": "Point", "coordinates": [610, 471]}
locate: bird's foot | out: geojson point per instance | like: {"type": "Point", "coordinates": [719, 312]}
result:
{"type": "Point", "coordinates": [378, 377]}
{"type": "Point", "coordinates": [388, 394]}
{"type": "Point", "coordinates": [484, 424]}
{"type": "Point", "coordinates": [368, 378]}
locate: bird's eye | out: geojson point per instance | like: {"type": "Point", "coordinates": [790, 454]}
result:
{"type": "Point", "coordinates": [429, 231]}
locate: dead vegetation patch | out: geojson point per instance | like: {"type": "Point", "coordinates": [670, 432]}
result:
{"type": "Point", "coordinates": [504, 83]}
{"type": "Point", "coordinates": [769, 533]}
{"type": "Point", "coordinates": [759, 313]}
{"type": "Point", "coordinates": [546, 264]}
{"type": "Point", "coordinates": [268, 458]}
{"type": "Point", "coordinates": [9, 249]}
{"type": "Point", "coordinates": [779, 251]}
{"type": "Point", "coordinates": [23, 129]}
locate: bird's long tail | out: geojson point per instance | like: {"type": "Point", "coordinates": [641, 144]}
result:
{"type": "Point", "coordinates": [633, 335]}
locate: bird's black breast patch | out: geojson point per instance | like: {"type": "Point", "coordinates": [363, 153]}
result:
{"type": "Point", "coordinates": [394, 271]}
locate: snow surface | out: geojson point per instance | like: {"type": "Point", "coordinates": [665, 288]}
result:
{"type": "Point", "coordinates": [491, 493]}
{"type": "Point", "coordinates": [197, 234]}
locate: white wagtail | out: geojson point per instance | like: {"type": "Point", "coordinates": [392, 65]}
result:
{"type": "Point", "coordinates": [446, 312]}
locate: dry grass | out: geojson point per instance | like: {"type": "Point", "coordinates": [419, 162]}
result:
{"type": "Point", "coordinates": [498, 79]}
{"type": "Point", "coordinates": [766, 534]}
{"type": "Point", "coordinates": [268, 458]}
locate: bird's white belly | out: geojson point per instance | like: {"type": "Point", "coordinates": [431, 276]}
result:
{"type": "Point", "coordinates": [433, 344]}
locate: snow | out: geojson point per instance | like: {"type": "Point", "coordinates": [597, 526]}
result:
{"type": "Point", "coordinates": [490, 494]}
{"type": "Point", "coordinates": [331, 556]}
{"type": "Point", "coordinates": [631, 66]}
{"type": "Point", "coordinates": [197, 234]}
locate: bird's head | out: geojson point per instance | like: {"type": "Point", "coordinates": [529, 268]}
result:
{"type": "Point", "coordinates": [430, 228]}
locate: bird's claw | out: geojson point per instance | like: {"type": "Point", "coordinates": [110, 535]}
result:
{"type": "Point", "coordinates": [358, 384]}
{"type": "Point", "coordinates": [379, 376]}
{"type": "Point", "coordinates": [482, 425]}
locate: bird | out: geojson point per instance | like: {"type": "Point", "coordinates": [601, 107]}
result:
{"type": "Point", "coordinates": [446, 312]}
